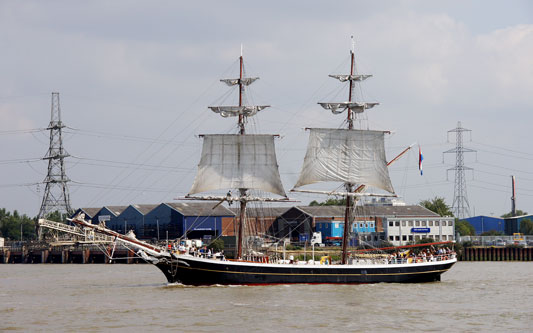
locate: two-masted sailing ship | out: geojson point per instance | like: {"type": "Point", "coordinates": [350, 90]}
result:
{"type": "Point", "coordinates": [243, 163]}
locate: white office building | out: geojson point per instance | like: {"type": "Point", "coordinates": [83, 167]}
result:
{"type": "Point", "coordinates": [401, 231]}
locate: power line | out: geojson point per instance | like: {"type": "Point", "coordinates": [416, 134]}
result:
{"type": "Point", "coordinates": [22, 131]}
{"type": "Point", "coordinates": [20, 160]}
{"type": "Point", "coordinates": [122, 137]}
{"type": "Point", "coordinates": [502, 148]}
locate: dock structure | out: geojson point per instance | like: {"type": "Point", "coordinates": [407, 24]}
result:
{"type": "Point", "coordinates": [42, 253]}
{"type": "Point", "coordinates": [497, 254]}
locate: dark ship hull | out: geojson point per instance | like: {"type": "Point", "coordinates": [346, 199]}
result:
{"type": "Point", "coordinates": [190, 270]}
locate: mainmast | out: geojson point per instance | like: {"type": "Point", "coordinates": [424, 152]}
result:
{"type": "Point", "coordinates": [350, 156]}
{"type": "Point", "coordinates": [349, 187]}
{"type": "Point", "coordinates": [242, 191]}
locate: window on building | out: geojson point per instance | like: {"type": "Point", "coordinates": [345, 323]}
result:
{"type": "Point", "coordinates": [371, 224]}
{"type": "Point", "coordinates": [424, 223]}
{"type": "Point", "coordinates": [437, 237]}
{"type": "Point", "coordinates": [397, 223]}
{"type": "Point", "coordinates": [444, 237]}
{"type": "Point", "coordinates": [437, 223]}
{"type": "Point", "coordinates": [410, 223]}
{"type": "Point", "coordinates": [397, 238]}
{"type": "Point", "coordinates": [391, 224]}
{"type": "Point", "coordinates": [450, 223]}
{"type": "Point", "coordinates": [418, 237]}
{"type": "Point", "coordinates": [403, 224]}
{"type": "Point", "coordinates": [430, 223]}
{"type": "Point", "coordinates": [417, 223]}
{"type": "Point", "coordinates": [404, 237]}
{"type": "Point", "coordinates": [391, 238]}
{"type": "Point", "coordinates": [410, 237]}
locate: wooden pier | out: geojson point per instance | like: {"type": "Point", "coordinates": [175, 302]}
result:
{"type": "Point", "coordinates": [496, 254]}
{"type": "Point", "coordinates": [81, 254]}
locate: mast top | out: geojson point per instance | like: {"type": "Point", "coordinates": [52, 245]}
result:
{"type": "Point", "coordinates": [242, 111]}
{"type": "Point", "coordinates": [352, 106]}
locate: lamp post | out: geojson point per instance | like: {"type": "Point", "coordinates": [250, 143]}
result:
{"type": "Point", "coordinates": [313, 246]}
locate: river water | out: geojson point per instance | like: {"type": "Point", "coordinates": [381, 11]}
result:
{"type": "Point", "coordinates": [472, 297]}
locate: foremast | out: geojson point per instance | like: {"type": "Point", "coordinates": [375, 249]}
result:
{"type": "Point", "coordinates": [228, 161]}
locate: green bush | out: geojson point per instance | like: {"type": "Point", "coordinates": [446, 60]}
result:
{"type": "Point", "coordinates": [217, 245]}
{"type": "Point", "coordinates": [290, 247]}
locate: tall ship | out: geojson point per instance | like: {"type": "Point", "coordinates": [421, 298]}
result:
{"type": "Point", "coordinates": [245, 166]}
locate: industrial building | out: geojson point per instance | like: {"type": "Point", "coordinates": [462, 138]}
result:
{"type": "Point", "coordinates": [131, 218]}
{"type": "Point", "coordinates": [398, 224]}
{"type": "Point", "coordinates": [107, 213]}
{"type": "Point", "coordinates": [187, 219]}
{"type": "Point", "coordinates": [512, 224]}
{"type": "Point", "coordinates": [90, 213]}
{"type": "Point", "coordinates": [372, 223]}
{"type": "Point", "coordinates": [484, 223]}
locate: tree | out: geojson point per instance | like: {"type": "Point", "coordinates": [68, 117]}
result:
{"type": "Point", "coordinates": [464, 228]}
{"type": "Point", "coordinates": [492, 233]}
{"type": "Point", "coordinates": [329, 202]}
{"type": "Point", "coordinates": [217, 245]}
{"type": "Point", "coordinates": [57, 216]}
{"type": "Point", "coordinates": [11, 226]}
{"type": "Point", "coordinates": [518, 213]}
{"type": "Point", "coordinates": [526, 227]}
{"type": "Point", "coordinates": [437, 205]}
{"type": "Point", "coordinates": [425, 240]}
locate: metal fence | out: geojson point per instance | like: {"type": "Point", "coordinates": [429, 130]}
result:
{"type": "Point", "coordinates": [526, 240]}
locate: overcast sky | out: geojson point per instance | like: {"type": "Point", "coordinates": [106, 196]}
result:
{"type": "Point", "coordinates": [135, 79]}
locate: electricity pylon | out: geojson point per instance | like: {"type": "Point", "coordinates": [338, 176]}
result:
{"type": "Point", "coordinates": [460, 205]}
{"type": "Point", "coordinates": [56, 195]}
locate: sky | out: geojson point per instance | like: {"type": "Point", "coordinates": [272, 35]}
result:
{"type": "Point", "coordinates": [135, 79]}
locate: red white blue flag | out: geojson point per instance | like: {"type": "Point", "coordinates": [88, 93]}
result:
{"type": "Point", "coordinates": [420, 159]}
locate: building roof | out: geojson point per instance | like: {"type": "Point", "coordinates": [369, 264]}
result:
{"type": "Point", "coordinates": [200, 209]}
{"type": "Point", "coordinates": [144, 209]}
{"type": "Point", "coordinates": [90, 211]}
{"type": "Point", "coordinates": [261, 211]}
{"type": "Point", "coordinates": [115, 209]}
{"type": "Point", "coordinates": [385, 211]}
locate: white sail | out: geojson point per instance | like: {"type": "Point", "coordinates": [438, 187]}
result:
{"type": "Point", "coordinates": [340, 107]}
{"type": "Point", "coordinates": [348, 156]}
{"type": "Point", "coordinates": [347, 77]}
{"type": "Point", "coordinates": [245, 81]}
{"type": "Point", "coordinates": [234, 111]}
{"type": "Point", "coordinates": [231, 161]}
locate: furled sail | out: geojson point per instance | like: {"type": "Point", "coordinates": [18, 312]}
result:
{"type": "Point", "coordinates": [245, 80]}
{"type": "Point", "coordinates": [234, 111]}
{"type": "Point", "coordinates": [347, 77]}
{"type": "Point", "coordinates": [348, 156]}
{"type": "Point", "coordinates": [357, 107]}
{"type": "Point", "coordinates": [231, 161]}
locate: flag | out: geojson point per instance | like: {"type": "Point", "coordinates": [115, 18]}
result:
{"type": "Point", "coordinates": [420, 159]}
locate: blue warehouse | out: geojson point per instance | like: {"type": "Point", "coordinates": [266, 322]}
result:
{"type": "Point", "coordinates": [186, 219]}
{"type": "Point", "coordinates": [486, 223]}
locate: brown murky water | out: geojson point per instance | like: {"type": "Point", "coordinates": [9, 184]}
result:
{"type": "Point", "coordinates": [472, 297]}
